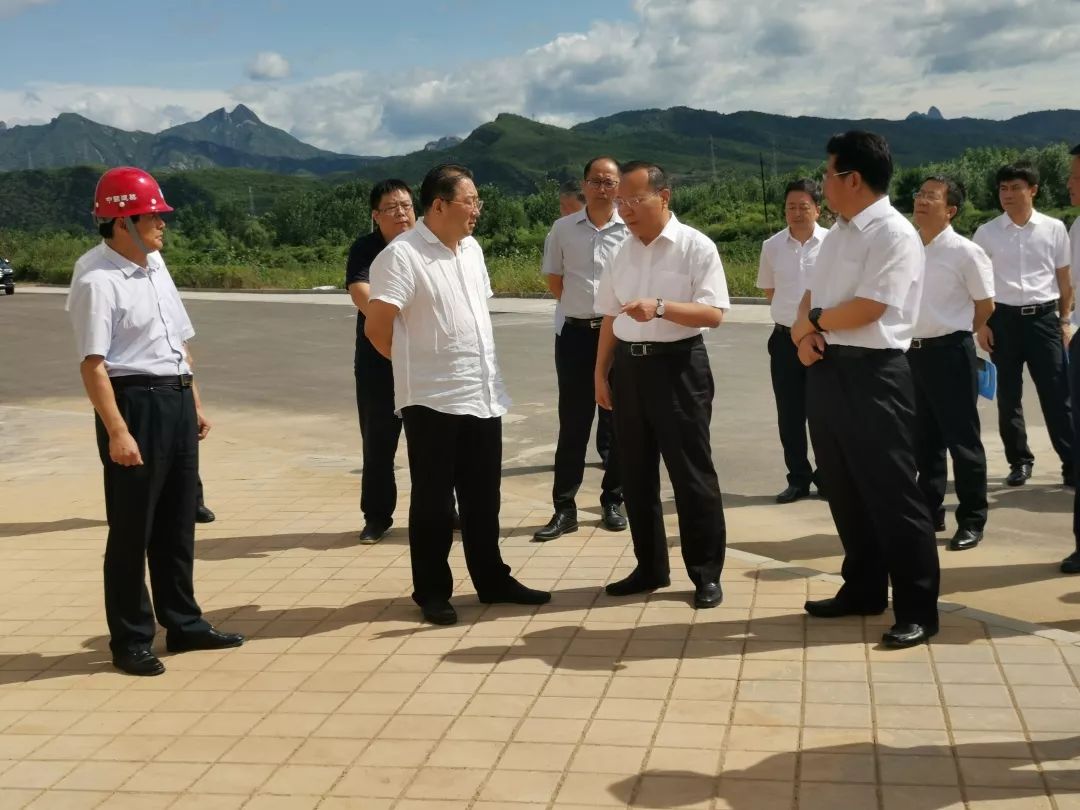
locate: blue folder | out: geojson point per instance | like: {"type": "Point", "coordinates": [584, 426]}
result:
{"type": "Point", "coordinates": [987, 378]}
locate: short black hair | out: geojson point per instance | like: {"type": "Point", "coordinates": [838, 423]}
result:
{"type": "Point", "coordinates": [955, 193]}
{"type": "Point", "coordinates": [864, 152]}
{"type": "Point", "coordinates": [571, 188]}
{"type": "Point", "coordinates": [1017, 171]}
{"type": "Point", "coordinates": [658, 179]}
{"type": "Point", "coordinates": [807, 186]}
{"type": "Point", "coordinates": [589, 165]}
{"type": "Point", "coordinates": [1075, 151]}
{"type": "Point", "coordinates": [106, 226]}
{"type": "Point", "coordinates": [384, 187]}
{"type": "Point", "coordinates": [440, 183]}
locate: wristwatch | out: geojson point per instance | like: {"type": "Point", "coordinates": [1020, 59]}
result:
{"type": "Point", "coordinates": [659, 307]}
{"type": "Point", "coordinates": [813, 316]}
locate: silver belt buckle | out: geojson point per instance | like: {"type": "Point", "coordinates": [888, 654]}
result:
{"type": "Point", "coordinates": [596, 323]}
{"type": "Point", "coordinates": [916, 343]}
{"type": "Point", "coordinates": [1029, 310]}
{"type": "Point", "coordinates": [639, 349]}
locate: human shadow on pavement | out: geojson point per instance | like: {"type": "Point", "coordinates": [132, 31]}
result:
{"type": "Point", "coordinates": [254, 547]}
{"type": "Point", "coordinates": [43, 527]}
{"type": "Point", "coordinates": [992, 772]}
{"type": "Point", "coordinates": [1043, 499]}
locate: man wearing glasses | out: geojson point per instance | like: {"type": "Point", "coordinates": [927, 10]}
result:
{"type": "Point", "coordinates": [391, 215]}
{"type": "Point", "coordinates": [576, 252]}
{"type": "Point", "coordinates": [664, 288]}
{"type": "Point", "coordinates": [787, 259]}
{"type": "Point", "coordinates": [855, 323]}
{"type": "Point", "coordinates": [957, 299]}
{"type": "Point", "coordinates": [428, 311]}
{"type": "Point", "coordinates": [1030, 324]}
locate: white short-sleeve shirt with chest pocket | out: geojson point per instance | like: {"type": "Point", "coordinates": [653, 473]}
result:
{"type": "Point", "coordinates": [443, 349]}
{"type": "Point", "coordinates": [1026, 257]}
{"type": "Point", "coordinates": [785, 267]}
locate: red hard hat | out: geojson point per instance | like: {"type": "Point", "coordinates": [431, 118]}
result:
{"type": "Point", "coordinates": [128, 192]}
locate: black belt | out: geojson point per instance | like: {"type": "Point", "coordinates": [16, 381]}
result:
{"type": "Point", "coordinates": [586, 323]}
{"type": "Point", "coordinates": [152, 381]}
{"type": "Point", "coordinates": [951, 339]}
{"type": "Point", "coordinates": [779, 327]}
{"type": "Point", "coordinates": [846, 352]}
{"type": "Point", "coordinates": [1030, 309]}
{"type": "Point", "coordinates": [650, 348]}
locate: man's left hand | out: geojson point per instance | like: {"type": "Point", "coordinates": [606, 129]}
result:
{"type": "Point", "coordinates": [800, 329]}
{"type": "Point", "coordinates": [204, 423]}
{"type": "Point", "coordinates": [1066, 334]}
{"type": "Point", "coordinates": [641, 309]}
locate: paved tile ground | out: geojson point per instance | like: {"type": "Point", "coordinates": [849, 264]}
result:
{"type": "Point", "coordinates": [341, 699]}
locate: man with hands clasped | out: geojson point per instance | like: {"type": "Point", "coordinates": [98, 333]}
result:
{"type": "Point", "coordinates": [855, 323]}
{"type": "Point", "coordinates": [663, 289]}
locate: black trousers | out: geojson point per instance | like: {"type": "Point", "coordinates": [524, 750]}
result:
{"type": "Point", "coordinates": [862, 418]}
{"type": "Point", "coordinates": [575, 362]}
{"type": "Point", "coordinates": [789, 389]}
{"type": "Point", "coordinates": [1036, 341]}
{"type": "Point", "coordinates": [450, 452]}
{"type": "Point", "coordinates": [199, 498]}
{"type": "Point", "coordinates": [946, 379]}
{"type": "Point", "coordinates": [1074, 390]}
{"type": "Point", "coordinates": [380, 430]}
{"type": "Point", "coordinates": [151, 515]}
{"type": "Point", "coordinates": [662, 407]}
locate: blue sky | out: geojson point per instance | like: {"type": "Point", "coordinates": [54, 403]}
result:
{"type": "Point", "coordinates": [384, 77]}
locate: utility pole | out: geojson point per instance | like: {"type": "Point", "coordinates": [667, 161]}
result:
{"type": "Point", "coordinates": [764, 203]}
{"type": "Point", "coordinates": [712, 155]}
{"type": "Point", "coordinates": [251, 201]}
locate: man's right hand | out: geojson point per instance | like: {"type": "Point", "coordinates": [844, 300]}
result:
{"type": "Point", "coordinates": [603, 394]}
{"type": "Point", "coordinates": [811, 348]}
{"type": "Point", "coordinates": [124, 450]}
{"type": "Point", "coordinates": [985, 337]}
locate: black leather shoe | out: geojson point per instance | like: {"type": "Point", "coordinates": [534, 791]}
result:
{"type": "Point", "coordinates": [514, 593]}
{"type": "Point", "coordinates": [965, 539]}
{"type": "Point", "coordinates": [613, 519]}
{"type": "Point", "coordinates": [1071, 564]}
{"type": "Point", "coordinates": [792, 494]}
{"type": "Point", "coordinates": [561, 523]}
{"type": "Point", "coordinates": [833, 608]}
{"type": "Point", "coordinates": [138, 662]}
{"type": "Point", "coordinates": [372, 533]}
{"type": "Point", "coordinates": [204, 515]}
{"type": "Point", "coordinates": [208, 640]}
{"type": "Point", "coordinates": [1019, 475]}
{"type": "Point", "coordinates": [439, 613]}
{"type": "Point", "coordinates": [904, 635]}
{"type": "Point", "coordinates": [635, 583]}
{"type": "Point", "coordinates": [708, 595]}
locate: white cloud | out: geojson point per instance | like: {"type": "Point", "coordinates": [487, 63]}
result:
{"type": "Point", "coordinates": [9, 8]}
{"type": "Point", "coordinates": [267, 66]}
{"type": "Point", "coordinates": [831, 58]}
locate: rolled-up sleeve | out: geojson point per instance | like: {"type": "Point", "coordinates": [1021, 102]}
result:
{"type": "Point", "coordinates": [392, 279]}
{"type": "Point", "coordinates": [709, 279]}
{"type": "Point", "coordinates": [91, 309]}
{"type": "Point", "coordinates": [893, 264]}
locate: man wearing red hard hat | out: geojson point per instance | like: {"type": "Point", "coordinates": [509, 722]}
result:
{"type": "Point", "coordinates": [131, 330]}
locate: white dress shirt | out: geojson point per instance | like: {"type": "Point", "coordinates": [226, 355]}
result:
{"type": "Point", "coordinates": [1025, 257]}
{"type": "Point", "coordinates": [1074, 239]}
{"type": "Point", "coordinates": [443, 347]}
{"type": "Point", "coordinates": [785, 267]}
{"type": "Point", "coordinates": [877, 255]}
{"type": "Point", "coordinates": [681, 264]}
{"type": "Point", "coordinates": [130, 315]}
{"type": "Point", "coordinates": [579, 251]}
{"type": "Point", "coordinates": [958, 273]}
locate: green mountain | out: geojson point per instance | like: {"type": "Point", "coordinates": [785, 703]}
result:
{"type": "Point", "coordinates": [222, 139]}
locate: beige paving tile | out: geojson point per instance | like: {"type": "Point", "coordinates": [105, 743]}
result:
{"type": "Point", "coordinates": [595, 790]}
{"type": "Point", "coordinates": [518, 786]}
{"type": "Point", "coordinates": [523, 756]}
{"type": "Point", "coordinates": [624, 759]}
{"type": "Point", "coordinates": [922, 798]}
{"type": "Point", "coordinates": [458, 784]}
{"type": "Point", "coordinates": [385, 782]}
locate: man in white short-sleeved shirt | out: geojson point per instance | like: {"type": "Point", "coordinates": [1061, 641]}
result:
{"type": "Point", "coordinates": [578, 248]}
{"type": "Point", "coordinates": [131, 332]}
{"type": "Point", "coordinates": [1033, 298]}
{"type": "Point", "coordinates": [1071, 564]}
{"type": "Point", "coordinates": [787, 260]}
{"type": "Point", "coordinates": [855, 323]}
{"type": "Point", "coordinates": [957, 299]}
{"type": "Point", "coordinates": [428, 313]}
{"type": "Point", "coordinates": [665, 287]}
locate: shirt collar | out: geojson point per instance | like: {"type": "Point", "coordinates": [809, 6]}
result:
{"type": "Point", "coordinates": [583, 216]}
{"type": "Point", "coordinates": [943, 237]}
{"type": "Point", "coordinates": [816, 236]}
{"type": "Point", "coordinates": [1007, 221]}
{"type": "Point", "coordinates": [876, 210]}
{"type": "Point", "coordinates": [671, 229]}
{"type": "Point", "coordinates": [428, 235]}
{"type": "Point", "coordinates": [125, 266]}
